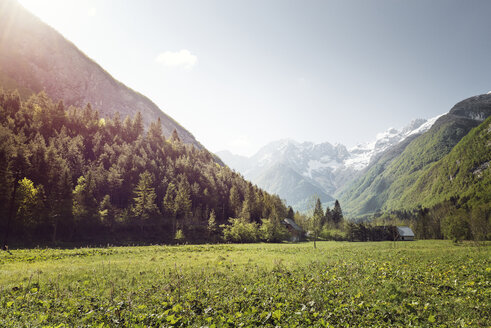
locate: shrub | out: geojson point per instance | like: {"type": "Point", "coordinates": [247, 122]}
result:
{"type": "Point", "coordinates": [272, 231]}
{"type": "Point", "coordinates": [333, 234]}
{"type": "Point", "coordinates": [240, 231]}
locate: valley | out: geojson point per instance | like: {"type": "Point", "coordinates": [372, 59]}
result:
{"type": "Point", "coordinates": [117, 210]}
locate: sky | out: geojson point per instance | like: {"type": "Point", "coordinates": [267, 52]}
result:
{"type": "Point", "coordinates": [239, 74]}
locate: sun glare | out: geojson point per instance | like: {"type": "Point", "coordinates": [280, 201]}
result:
{"type": "Point", "coordinates": [59, 13]}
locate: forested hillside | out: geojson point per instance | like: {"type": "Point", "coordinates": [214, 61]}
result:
{"type": "Point", "coordinates": [66, 174]}
{"type": "Point", "coordinates": [389, 177]}
{"type": "Point", "coordinates": [462, 175]}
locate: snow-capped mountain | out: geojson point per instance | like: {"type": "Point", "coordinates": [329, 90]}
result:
{"type": "Point", "coordinates": [363, 153]}
{"type": "Point", "coordinates": [314, 169]}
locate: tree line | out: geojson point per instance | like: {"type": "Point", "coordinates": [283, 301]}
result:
{"type": "Point", "coordinates": [452, 219]}
{"type": "Point", "coordinates": [70, 175]}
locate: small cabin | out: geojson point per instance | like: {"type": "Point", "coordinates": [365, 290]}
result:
{"type": "Point", "coordinates": [296, 233]}
{"type": "Point", "coordinates": [405, 233]}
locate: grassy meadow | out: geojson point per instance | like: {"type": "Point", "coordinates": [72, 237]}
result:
{"type": "Point", "coordinates": [340, 284]}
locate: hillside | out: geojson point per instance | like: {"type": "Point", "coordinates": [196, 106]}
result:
{"type": "Point", "coordinates": [71, 176]}
{"type": "Point", "coordinates": [34, 57]}
{"type": "Point", "coordinates": [384, 182]}
{"type": "Point", "coordinates": [464, 173]}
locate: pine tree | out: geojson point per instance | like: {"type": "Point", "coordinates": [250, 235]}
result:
{"type": "Point", "coordinates": [155, 135]}
{"type": "Point", "coordinates": [144, 207]}
{"type": "Point", "coordinates": [137, 126]}
{"type": "Point", "coordinates": [85, 207]}
{"type": "Point", "coordinates": [291, 213]}
{"type": "Point", "coordinates": [316, 220]}
{"type": "Point", "coordinates": [337, 214]}
{"type": "Point", "coordinates": [106, 211]}
{"type": "Point", "coordinates": [19, 164]}
{"type": "Point", "coordinates": [328, 217]}
{"type": "Point", "coordinates": [29, 203]}
{"type": "Point", "coordinates": [169, 201]}
{"type": "Point", "coordinates": [212, 225]}
{"type": "Point", "coordinates": [235, 203]}
{"type": "Point", "coordinates": [175, 137]}
{"type": "Point", "coordinates": [183, 199]}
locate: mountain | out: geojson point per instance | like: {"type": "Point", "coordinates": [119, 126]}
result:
{"type": "Point", "coordinates": [296, 171]}
{"type": "Point", "coordinates": [463, 173]}
{"type": "Point", "coordinates": [383, 184]}
{"type": "Point", "coordinates": [282, 180]}
{"type": "Point", "coordinates": [34, 57]}
{"type": "Point", "coordinates": [361, 155]}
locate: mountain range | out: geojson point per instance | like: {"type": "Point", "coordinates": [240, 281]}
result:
{"type": "Point", "coordinates": [296, 171]}
{"type": "Point", "coordinates": [34, 57]}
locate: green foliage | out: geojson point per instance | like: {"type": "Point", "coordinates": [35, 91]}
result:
{"type": "Point", "coordinates": [101, 178]}
{"type": "Point", "coordinates": [332, 234]}
{"type": "Point", "coordinates": [106, 211]}
{"type": "Point", "coordinates": [179, 237]}
{"type": "Point", "coordinates": [240, 230]}
{"type": "Point", "coordinates": [464, 173]}
{"type": "Point", "coordinates": [336, 214]}
{"type": "Point", "coordinates": [315, 220]}
{"type": "Point", "coordinates": [144, 206]}
{"type": "Point", "coordinates": [416, 284]}
{"type": "Point", "coordinates": [456, 227]}
{"type": "Point", "coordinates": [84, 202]}
{"type": "Point", "coordinates": [30, 201]}
{"type": "Point", "coordinates": [212, 226]}
{"type": "Point", "coordinates": [440, 184]}
{"type": "Point", "coordinates": [394, 181]}
{"type": "Point", "coordinates": [272, 231]}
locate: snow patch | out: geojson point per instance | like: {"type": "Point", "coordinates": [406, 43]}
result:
{"type": "Point", "coordinates": [425, 126]}
{"type": "Point", "coordinates": [315, 165]}
{"type": "Point", "coordinates": [363, 153]}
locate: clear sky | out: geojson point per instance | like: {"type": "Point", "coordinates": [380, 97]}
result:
{"type": "Point", "coordinates": [239, 74]}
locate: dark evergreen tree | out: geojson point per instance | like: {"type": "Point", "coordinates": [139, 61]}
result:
{"type": "Point", "coordinates": [337, 214]}
{"type": "Point", "coordinates": [316, 220]}
{"type": "Point", "coordinates": [175, 137]}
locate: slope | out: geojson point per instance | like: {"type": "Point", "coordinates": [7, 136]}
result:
{"type": "Point", "coordinates": [395, 171]}
{"type": "Point", "coordinates": [34, 57]}
{"type": "Point", "coordinates": [464, 173]}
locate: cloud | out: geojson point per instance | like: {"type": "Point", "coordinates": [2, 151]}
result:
{"type": "Point", "coordinates": [178, 59]}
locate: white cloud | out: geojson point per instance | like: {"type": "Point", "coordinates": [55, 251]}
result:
{"type": "Point", "coordinates": [178, 59]}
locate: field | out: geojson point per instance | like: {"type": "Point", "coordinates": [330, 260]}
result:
{"type": "Point", "coordinates": [422, 283]}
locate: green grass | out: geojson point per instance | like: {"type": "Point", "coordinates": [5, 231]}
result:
{"type": "Point", "coordinates": [422, 283]}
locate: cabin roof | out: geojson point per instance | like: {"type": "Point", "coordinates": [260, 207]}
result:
{"type": "Point", "coordinates": [405, 231]}
{"type": "Point", "coordinates": [292, 223]}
